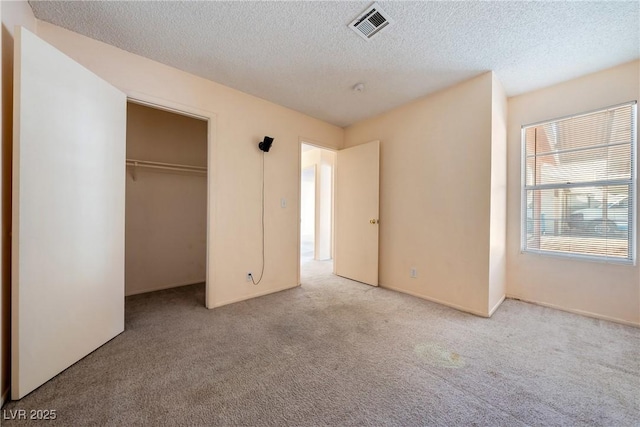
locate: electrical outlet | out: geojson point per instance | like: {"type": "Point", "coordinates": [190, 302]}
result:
{"type": "Point", "coordinates": [413, 272]}
{"type": "Point", "coordinates": [249, 276]}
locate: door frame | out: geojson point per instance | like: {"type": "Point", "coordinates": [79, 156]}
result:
{"type": "Point", "coordinates": [309, 141]}
{"type": "Point", "coordinates": [315, 204]}
{"type": "Point", "coordinates": [212, 182]}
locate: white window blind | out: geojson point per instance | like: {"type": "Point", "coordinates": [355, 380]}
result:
{"type": "Point", "coordinates": [578, 195]}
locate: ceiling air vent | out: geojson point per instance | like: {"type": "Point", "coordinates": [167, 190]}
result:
{"type": "Point", "coordinates": [370, 22]}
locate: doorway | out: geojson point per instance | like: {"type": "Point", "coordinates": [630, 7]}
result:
{"type": "Point", "coordinates": [166, 200]}
{"type": "Point", "coordinates": [316, 205]}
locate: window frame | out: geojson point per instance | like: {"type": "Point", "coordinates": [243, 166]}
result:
{"type": "Point", "coordinates": [631, 259]}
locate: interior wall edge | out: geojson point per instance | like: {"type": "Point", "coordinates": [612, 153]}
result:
{"type": "Point", "coordinates": [498, 196]}
{"type": "Point", "coordinates": [497, 305]}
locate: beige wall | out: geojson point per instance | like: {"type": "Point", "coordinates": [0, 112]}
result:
{"type": "Point", "coordinates": [435, 194]}
{"type": "Point", "coordinates": [235, 192]}
{"type": "Point", "coordinates": [166, 212]}
{"type": "Point", "coordinates": [602, 290]}
{"type": "Point", "coordinates": [13, 13]}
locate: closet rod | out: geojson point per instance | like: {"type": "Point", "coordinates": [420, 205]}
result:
{"type": "Point", "coordinates": [166, 166]}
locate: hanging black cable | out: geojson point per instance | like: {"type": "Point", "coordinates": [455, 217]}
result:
{"type": "Point", "coordinates": [264, 146]}
{"type": "Point", "coordinates": [262, 271]}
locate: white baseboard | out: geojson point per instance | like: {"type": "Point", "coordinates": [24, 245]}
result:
{"type": "Point", "coordinates": [161, 288]}
{"type": "Point", "coordinates": [575, 311]}
{"type": "Point", "coordinates": [259, 294]}
{"type": "Point", "coordinates": [3, 397]}
{"type": "Point", "coordinates": [448, 304]}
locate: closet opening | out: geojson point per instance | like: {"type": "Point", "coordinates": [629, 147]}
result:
{"type": "Point", "coordinates": [166, 200]}
{"type": "Point", "coordinates": [317, 166]}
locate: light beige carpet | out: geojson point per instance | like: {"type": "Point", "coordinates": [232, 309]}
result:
{"type": "Point", "coordinates": [336, 352]}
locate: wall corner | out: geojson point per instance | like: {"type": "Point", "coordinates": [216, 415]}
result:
{"type": "Point", "coordinates": [498, 209]}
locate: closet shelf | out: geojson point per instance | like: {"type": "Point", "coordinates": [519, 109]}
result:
{"type": "Point", "coordinates": [201, 170]}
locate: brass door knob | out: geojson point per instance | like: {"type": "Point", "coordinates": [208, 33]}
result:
{"type": "Point", "coordinates": [373, 221]}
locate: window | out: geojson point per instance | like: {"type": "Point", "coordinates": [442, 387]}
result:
{"type": "Point", "coordinates": [578, 194]}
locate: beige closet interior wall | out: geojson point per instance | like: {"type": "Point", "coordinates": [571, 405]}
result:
{"type": "Point", "coordinates": [166, 212]}
{"type": "Point", "coordinates": [608, 291]}
{"type": "Point", "coordinates": [12, 13]}
{"type": "Point", "coordinates": [436, 199]}
{"type": "Point", "coordinates": [235, 193]}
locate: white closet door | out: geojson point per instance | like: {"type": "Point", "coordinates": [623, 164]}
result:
{"type": "Point", "coordinates": [68, 213]}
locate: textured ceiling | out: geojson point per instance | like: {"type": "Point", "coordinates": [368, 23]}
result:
{"type": "Point", "coordinates": [302, 54]}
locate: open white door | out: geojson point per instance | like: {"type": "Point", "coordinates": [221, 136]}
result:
{"type": "Point", "coordinates": [68, 213]}
{"type": "Point", "coordinates": [357, 211]}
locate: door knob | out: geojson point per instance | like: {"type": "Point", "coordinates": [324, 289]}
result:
{"type": "Point", "coordinates": [373, 221]}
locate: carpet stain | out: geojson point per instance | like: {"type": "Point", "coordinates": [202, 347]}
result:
{"type": "Point", "coordinates": [436, 355]}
